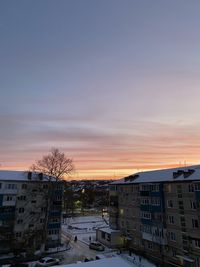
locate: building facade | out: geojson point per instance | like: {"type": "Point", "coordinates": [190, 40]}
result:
{"type": "Point", "coordinates": [158, 212]}
{"type": "Point", "coordinates": [30, 212]}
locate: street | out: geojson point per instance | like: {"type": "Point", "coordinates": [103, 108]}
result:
{"type": "Point", "coordinates": [79, 251]}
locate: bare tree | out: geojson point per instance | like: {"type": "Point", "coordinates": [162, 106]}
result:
{"type": "Point", "coordinates": [55, 164]}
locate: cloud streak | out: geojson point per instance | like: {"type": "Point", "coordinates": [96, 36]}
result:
{"type": "Point", "coordinates": [119, 148]}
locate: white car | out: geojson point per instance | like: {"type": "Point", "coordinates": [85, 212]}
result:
{"type": "Point", "coordinates": [47, 261]}
{"type": "Point", "coordinates": [97, 246]}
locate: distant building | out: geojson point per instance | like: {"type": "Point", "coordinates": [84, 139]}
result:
{"type": "Point", "coordinates": [30, 212]}
{"type": "Point", "coordinates": [158, 212]}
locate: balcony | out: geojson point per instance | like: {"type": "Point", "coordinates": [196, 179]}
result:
{"type": "Point", "coordinates": [145, 207]}
{"type": "Point", "coordinates": [5, 191]}
{"type": "Point", "coordinates": [144, 193]}
{"type": "Point", "coordinates": [54, 225]}
{"type": "Point", "coordinates": [9, 203]}
{"type": "Point", "coordinates": [197, 194]}
{"type": "Point", "coordinates": [156, 239]}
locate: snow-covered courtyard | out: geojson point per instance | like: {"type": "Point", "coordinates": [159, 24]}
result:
{"type": "Point", "coordinates": [83, 227]}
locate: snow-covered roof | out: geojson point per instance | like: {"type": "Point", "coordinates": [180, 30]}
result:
{"type": "Point", "coordinates": [191, 173]}
{"type": "Point", "coordinates": [111, 262]}
{"type": "Point", "coordinates": [21, 176]}
{"type": "Point", "coordinates": [108, 230]}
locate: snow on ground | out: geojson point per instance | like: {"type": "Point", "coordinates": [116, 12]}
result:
{"type": "Point", "coordinates": [84, 227]}
{"type": "Point", "coordinates": [137, 260]}
{"type": "Point", "coordinates": [111, 262]}
{"type": "Point", "coordinates": [121, 260]}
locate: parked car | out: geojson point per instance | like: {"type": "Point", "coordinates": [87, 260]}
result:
{"type": "Point", "coordinates": [100, 256]}
{"type": "Point", "coordinates": [47, 261]}
{"type": "Point", "coordinates": [19, 264]}
{"type": "Point", "coordinates": [97, 246]}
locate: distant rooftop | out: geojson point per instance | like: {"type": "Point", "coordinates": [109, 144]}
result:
{"type": "Point", "coordinates": [165, 175]}
{"type": "Point", "coordinates": [21, 176]}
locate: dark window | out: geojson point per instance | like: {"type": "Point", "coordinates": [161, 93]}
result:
{"type": "Point", "coordinates": [24, 186]}
{"type": "Point", "coordinates": [21, 210]}
{"type": "Point", "coordinates": [103, 235]}
{"type": "Point", "coordinates": [195, 223]}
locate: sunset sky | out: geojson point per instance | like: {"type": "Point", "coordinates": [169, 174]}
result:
{"type": "Point", "coordinates": [115, 84]}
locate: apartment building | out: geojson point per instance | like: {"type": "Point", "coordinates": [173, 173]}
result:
{"type": "Point", "coordinates": [30, 211]}
{"type": "Point", "coordinates": [158, 213]}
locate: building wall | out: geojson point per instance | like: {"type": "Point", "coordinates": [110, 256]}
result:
{"type": "Point", "coordinates": [30, 214]}
{"type": "Point", "coordinates": [161, 220]}
{"type": "Point", "coordinates": [112, 239]}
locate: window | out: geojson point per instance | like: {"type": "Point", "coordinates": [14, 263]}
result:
{"type": "Point", "coordinates": [11, 186]}
{"type": "Point", "coordinates": [0, 185]}
{"type": "Point", "coordinates": [150, 245]}
{"type": "Point", "coordinates": [21, 210]}
{"type": "Point", "coordinates": [18, 234]}
{"type": "Point", "coordinates": [49, 261]}
{"type": "Point", "coordinates": [9, 198]}
{"type": "Point", "coordinates": [20, 221]}
{"type": "Point", "coordinates": [155, 188]}
{"type": "Point", "coordinates": [55, 220]}
{"type": "Point", "coordinates": [155, 201]}
{"type": "Point", "coordinates": [24, 186]}
{"type": "Point", "coordinates": [171, 219]}
{"type": "Point", "coordinates": [158, 216]}
{"type": "Point", "coordinates": [197, 187]}
{"type": "Point", "coordinates": [121, 211]}
{"type": "Point", "coordinates": [146, 228]}
{"type": "Point", "coordinates": [41, 220]}
{"type": "Point", "coordinates": [146, 215]}
{"type": "Point", "coordinates": [22, 198]}
{"type": "Point", "coordinates": [197, 262]}
{"type": "Point", "coordinates": [170, 204]}
{"type": "Point", "coordinates": [145, 201]}
{"type": "Point", "coordinates": [144, 187]}
{"type": "Point", "coordinates": [108, 237]}
{"type": "Point", "coordinates": [103, 235]}
{"type": "Point", "coordinates": [173, 253]}
{"type": "Point", "coordinates": [127, 224]}
{"type": "Point", "coordinates": [193, 205]}
{"type": "Point", "coordinates": [197, 243]}
{"type": "Point", "coordinates": [45, 186]}
{"type": "Point", "coordinates": [182, 221]}
{"type": "Point", "coordinates": [191, 188]}
{"type": "Point", "coordinates": [33, 201]}
{"type": "Point", "coordinates": [53, 232]}
{"type": "Point", "coordinates": [172, 236]}
{"type": "Point", "coordinates": [168, 188]}
{"type": "Point", "coordinates": [179, 189]}
{"type": "Point", "coordinates": [30, 225]}
{"type": "Point", "coordinates": [195, 223]}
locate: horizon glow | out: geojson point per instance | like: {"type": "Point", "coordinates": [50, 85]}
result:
{"type": "Point", "coordinates": [113, 84]}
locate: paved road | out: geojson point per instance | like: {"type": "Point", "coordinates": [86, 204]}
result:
{"type": "Point", "coordinates": [78, 252]}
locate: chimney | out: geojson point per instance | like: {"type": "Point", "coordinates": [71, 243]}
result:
{"type": "Point", "coordinates": [188, 173]}
{"type": "Point", "coordinates": [29, 175]}
{"type": "Point", "coordinates": [177, 174]}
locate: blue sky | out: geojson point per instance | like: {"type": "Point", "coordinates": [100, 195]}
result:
{"type": "Point", "coordinates": [114, 84]}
